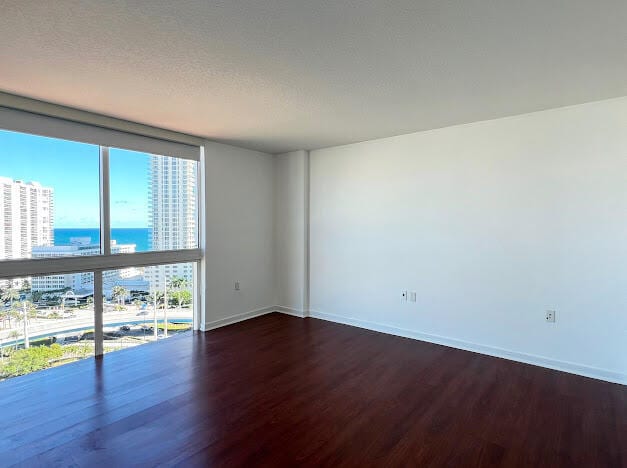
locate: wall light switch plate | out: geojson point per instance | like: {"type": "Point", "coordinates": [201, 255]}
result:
{"type": "Point", "coordinates": [403, 296]}
{"type": "Point", "coordinates": [412, 296]}
{"type": "Point", "coordinates": [550, 316]}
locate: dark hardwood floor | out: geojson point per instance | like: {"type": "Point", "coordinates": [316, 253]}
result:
{"type": "Point", "coordinates": [283, 391]}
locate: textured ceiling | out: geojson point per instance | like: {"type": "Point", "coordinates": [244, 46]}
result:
{"type": "Point", "coordinates": [289, 74]}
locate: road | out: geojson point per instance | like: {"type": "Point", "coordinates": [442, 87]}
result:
{"type": "Point", "coordinates": [84, 318]}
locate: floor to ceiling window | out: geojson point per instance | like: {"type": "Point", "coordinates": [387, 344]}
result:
{"type": "Point", "coordinates": [98, 241]}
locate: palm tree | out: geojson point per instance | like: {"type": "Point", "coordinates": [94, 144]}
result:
{"type": "Point", "coordinates": [178, 283]}
{"type": "Point", "coordinates": [10, 295]}
{"type": "Point", "coordinates": [28, 311]}
{"type": "Point", "coordinates": [154, 297]}
{"type": "Point", "coordinates": [119, 293]}
{"type": "Point", "coordinates": [172, 284]}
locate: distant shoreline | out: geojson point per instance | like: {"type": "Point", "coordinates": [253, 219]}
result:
{"type": "Point", "coordinates": [141, 237]}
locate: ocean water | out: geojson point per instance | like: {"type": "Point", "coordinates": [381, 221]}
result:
{"type": "Point", "coordinates": [138, 236]}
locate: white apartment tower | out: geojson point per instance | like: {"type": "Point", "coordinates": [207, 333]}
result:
{"type": "Point", "coordinates": [26, 217]}
{"type": "Point", "coordinates": [172, 214]}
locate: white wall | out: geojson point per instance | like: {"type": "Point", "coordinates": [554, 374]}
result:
{"type": "Point", "coordinates": [239, 243]}
{"type": "Point", "coordinates": [491, 223]}
{"type": "Point", "coordinates": [291, 231]}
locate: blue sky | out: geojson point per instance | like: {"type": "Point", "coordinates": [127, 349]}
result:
{"type": "Point", "coordinates": [71, 169]}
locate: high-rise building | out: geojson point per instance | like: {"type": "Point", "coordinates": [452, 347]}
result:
{"type": "Point", "coordinates": [26, 219]}
{"type": "Point", "coordinates": [172, 214]}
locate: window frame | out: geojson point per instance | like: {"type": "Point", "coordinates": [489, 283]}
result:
{"type": "Point", "coordinates": [76, 131]}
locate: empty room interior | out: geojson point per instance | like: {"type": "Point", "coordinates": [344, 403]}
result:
{"type": "Point", "coordinates": [307, 233]}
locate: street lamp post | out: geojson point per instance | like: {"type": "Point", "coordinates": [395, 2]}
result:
{"type": "Point", "coordinates": [165, 304]}
{"type": "Point", "coordinates": [154, 313]}
{"type": "Point", "coordinates": [26, 341]}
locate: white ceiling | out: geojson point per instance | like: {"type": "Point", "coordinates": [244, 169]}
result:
{"type": "Point", "coordinates": [290, 74]}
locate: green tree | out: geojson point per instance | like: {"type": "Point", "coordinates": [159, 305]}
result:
{"type": "Point", "coordinates": [182, 297]}
{"type": "Point", "coordinates": [10, 295]}
{"type": "Point", "coordinates": [180, 294]}
{"type": "Point", "coordinates": [119, 293]}
{"type": "Point", "coordinates": [36, 296]}
{"type": "Point", "coordinates": [25, 286]}
{"type": "Point", "coordinates": [178, 283]}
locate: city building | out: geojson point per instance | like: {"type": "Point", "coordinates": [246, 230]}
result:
{"type": "Point", "coordinates": [172, 215]}
{"type": "Point", "coordinates": [83, 283]}
{"type": "Point", "coordinates": [26, 219]}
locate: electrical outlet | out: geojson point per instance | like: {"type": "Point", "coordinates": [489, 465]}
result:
{"type": "Point", "coordinates": [412, 296]}
{"type": "Point", "coordinates": [403, 296]}
{"type": "Point", "coordinates": [550, 316]}
{"type": "Point", "coordinates": [237, 285]}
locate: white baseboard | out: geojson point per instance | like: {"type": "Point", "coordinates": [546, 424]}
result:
{"type": "Point", "coordinates": [291, 311]}
{"type": "Point", "coordinates": [236, 318]}
{"type": "Point", "coordinates": [565, 366]}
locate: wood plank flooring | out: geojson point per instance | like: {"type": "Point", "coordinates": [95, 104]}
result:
{"type": "Point", "coordinates": [283, 391]}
